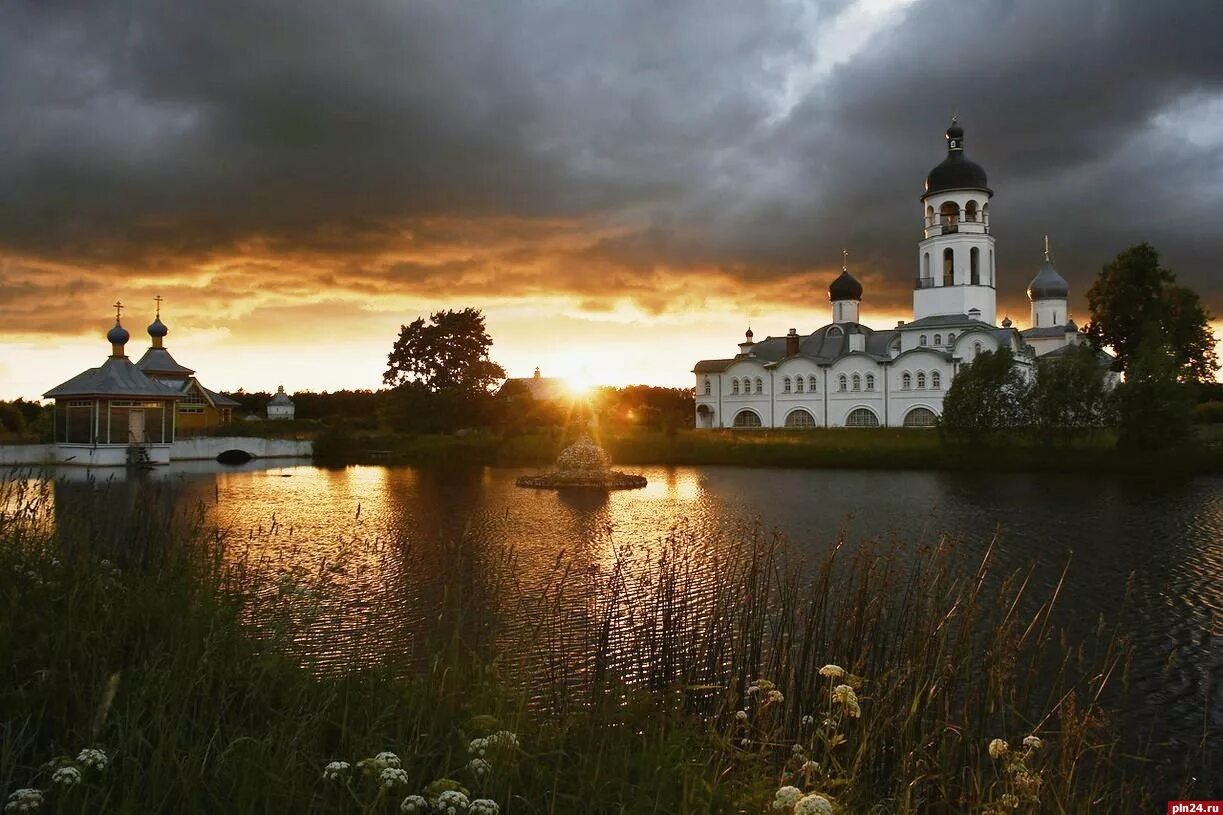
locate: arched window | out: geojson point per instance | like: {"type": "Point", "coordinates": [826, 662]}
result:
{"type": "Point", "coordinates": [857, 382]}
{"type": "Point", "coordinates": [990, 271]}
{"type": "Point", "coordinates": [929, 216]}
{"type": "Point", "coordinates": [976, 348]}
{"type": "Point", "coordinates": [936, 380]}
{"type": "Point", "coordinates": [759, 385]}
{"type": "Point", "coordinates": [920, 417]}
{"type": "Point", "coordinates": [906, 381]}
{"type": "Point", "coordinates": [921, 380]}
{"type": "Point", "coordinates": [970, 211]}
{"type": "Point", "coordinates": [785, 385]}
{"type": "Point", "coordinates": [811, 383]}
{"type": "Point", "coordinates": [734, 385]}
{"type": "Point", "coordinates": [938, 339]}
{"type": "Point", "coordinates": [861, 417]}
{"type": "Point", "coordinates": [921, 340]}
{"type": "Point", "coordinates": [870, 382]}
{"type": "Point", "coordinates": [949, 214]}
{"type": "Point", "coordinates": [708, 386]}
{"type": "Point", "coordinates": [951, 338]}
{"type": "Point", "coordinates": [985, 215]}
{"type": "Point", "coordinates": [747, 385]}
{"type": "Point", "coordinates": [948, 267]}
{"type": "Point", "coordinates": [798, 384]}
{"type": "Point", "coordinates": [800, 418]}
{"type": "Point", "coordinates": [842, 383]}
{"type": "Point", "coordinates": [925, 268]}
{"type": "Point", "coordinates": [747, 418]}
{"type": "Point", "coordinates": [974, 266]}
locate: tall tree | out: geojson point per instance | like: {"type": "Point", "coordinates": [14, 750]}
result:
{"type": "Point", "coordinates": [447, 354]}
{"type": "Point", "coordinates": [1135, 300]}
{"type": "Point", "coordinates": [1155, 409]}
{"type": "Point", "coordinates": [986, 396]}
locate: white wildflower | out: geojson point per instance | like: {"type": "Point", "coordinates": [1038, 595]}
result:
{"type": "Point", "coordinates": [1009, 800]}
{"type": "Point", "coordinates": [392, 777]}
{"type": "Point", "coordinates": [452, 802]}
{"type": "Point", "coordinates": [808, 721]}
{"type": "Point", "coordinates": [23, 800]}
{"type": "Point", "coordinates": [760, 686]}
{"type": "Point", "coordinates": [1033, 742]}
{"type": "Point", "coordinates": [92, 758]}
{"type": "Point", "coordinates": [336, 770]}
{"type": "Point", "coordinates": [998, 748]}
{"type": "Point", "coordinates": [502, 738]}
{"type": "Point", "coordinates": [387, 759]}
{"type": "Point", "coordinates": [745, 743]}
{"type": "Point", "coordinates": [809, 767]}
{"type": "Point", "coordinates": [478, 747]}
{"type": "Point", "coordinates": [813, 805]}
{"type": "Point", "coordinates": [844, 695]}
{"type": "Point", "coordinates": [484, 806]}
{"type": "Point", "coordinates": [480, 768]}
{"type": "Point", "coordinates": [832, 671]}
{"type": "Point", "coordinates": [797, 750]}
{"type": "Point", "coordinates": [786, 798]}
{"type": "Point", "coordinates": [774, 697]}
{"type": "Point", "coordinates": [414, 805]}
{"type": "Point", "coordinates": [741, 715]}
{"type": "Point", "coordinates": [66, 777]}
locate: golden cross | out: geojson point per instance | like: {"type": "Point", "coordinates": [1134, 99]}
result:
{"type": "Point", "coordinates": [118, 308]}
{"type": "Point", "coordinates": [1046, 247]}
{"type": "Point", "coordinates": [844, 260]}
{"type": "Point", "coordinates": [158, 300]}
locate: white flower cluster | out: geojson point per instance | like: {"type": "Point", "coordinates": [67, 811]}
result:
{"type": "Point", "coordinates": [502, 739]}
{"type": "Point", "coordinates": [392, 777]}
{"type": "Point", "coordinates": [484, 806]}
{"type": "Point", "coordinates": [832, 671]}
{"type": "Point", "coordinates": [845, 696]}
{"type": "Point", "coordinates": [998, 748]}
{"type": "Point", "coordinates": [813, 804]}
{"type": "Point", "coordinates": [452, 802]}
{"type": "Point", "coordinates": [480, 768]}
{"type": "Point", "coordinates": [92, 758]}
{"type": "Point", "coordinates": [336, 771]}
{"type": "Point", "coordinates": [387, 759]}
{"type": "Point", "coordinates": [24, 800]}
{"type": "Point", "coordinates": [66, 777]}
{"type": "Point", "coordinates": [414, 805]}
{"type": "Point", "coordinates": [786, 798]}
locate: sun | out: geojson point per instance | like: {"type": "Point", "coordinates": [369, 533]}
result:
{"type": "Point", "coordinates": [579, 383]}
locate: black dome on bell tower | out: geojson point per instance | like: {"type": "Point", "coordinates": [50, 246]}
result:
{"type": "Point", "coordinates": [956, 172]}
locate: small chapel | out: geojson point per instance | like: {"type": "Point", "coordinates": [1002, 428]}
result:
{"type": "Point", "coordinates": [124, 412]}
{"type": "Point", "coordinates": [847, 374]}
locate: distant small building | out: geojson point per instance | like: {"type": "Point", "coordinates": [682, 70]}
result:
{"type": "Point", "coordinates": [537, 388]}
{"type": "Point", "coordinates": [115, 413]}
{"type": "Point", "coordinates": [281, 406]}
{"type": "Point", "coordinates": [200, 409]}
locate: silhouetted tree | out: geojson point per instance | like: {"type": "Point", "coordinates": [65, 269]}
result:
{"type": "Point", "coordinates": [986, 396]}
{"type": "Point", "coordinates": [1135, 301]}
{"type": "Point", "coordinates": [1155, 408]}
{"type": "Point", "coordinates": [1070, 394]}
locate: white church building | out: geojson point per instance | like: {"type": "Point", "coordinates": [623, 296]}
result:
{"type": "Point", "coordinates": [847, 374]}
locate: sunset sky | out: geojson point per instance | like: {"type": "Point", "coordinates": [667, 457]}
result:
{"type": "Point", "coordinates": [621, 186]}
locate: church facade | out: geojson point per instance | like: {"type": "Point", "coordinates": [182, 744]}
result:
{"type": "Point", "coordinates": [847, 374]}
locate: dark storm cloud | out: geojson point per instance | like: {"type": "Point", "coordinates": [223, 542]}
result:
{"type": "Point", "coordinates": [157, 136]}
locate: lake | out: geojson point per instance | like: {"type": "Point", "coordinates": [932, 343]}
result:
{"type": "Point", "coordinates": [1159, 543]}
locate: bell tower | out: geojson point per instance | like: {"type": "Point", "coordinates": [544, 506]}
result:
{"type": "Point", "coordinates": [956, 254]}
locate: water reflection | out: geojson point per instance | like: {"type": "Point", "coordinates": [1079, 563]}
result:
{"type": "Point", "coordinates": [1146, 553]}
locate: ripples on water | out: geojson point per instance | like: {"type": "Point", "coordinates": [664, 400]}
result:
{"type": "Point", "coordinates": [1149, 555]}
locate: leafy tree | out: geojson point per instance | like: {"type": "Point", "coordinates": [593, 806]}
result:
{"type": "Point", "coordinates": [1154, 407]}
{"type": "Point", "coordinates": [449, 353]}
{"type": "Point", "coordinates": [986, 396]}
{"type": "Point", "coordinates": [1070, 394]}
{"type": "Point", "coordinates": [1133, 298]}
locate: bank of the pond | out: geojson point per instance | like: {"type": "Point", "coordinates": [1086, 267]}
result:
{"type": "Point", "coordinates": [827, 449]}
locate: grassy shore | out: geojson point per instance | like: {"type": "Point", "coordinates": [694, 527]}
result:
{"type": "Point", "coordinates": [833, 449]}
{"type": "Point", "coordinates": [697, 676]}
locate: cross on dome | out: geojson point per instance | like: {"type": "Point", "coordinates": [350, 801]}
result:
{"type": "Point", "coordinates": [157, 300]}
{"type": "Point", "coordinates": [118, 308]}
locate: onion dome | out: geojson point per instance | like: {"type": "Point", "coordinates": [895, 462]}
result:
{"type": "Point", "coordinates": [749, 334]}
{"type": "Point", "coordinates": [1006, 322]}
{"type": "Point", "coordinates": [118, 335]}
{"type": "Point", "coordinates": [845, 287]}
{"type": "Point", "coordinates": [1048, 284]}
{"type": "Point", "coordinates": [157, 328]}
{"type": "Point", "coordinates": [956, 172]}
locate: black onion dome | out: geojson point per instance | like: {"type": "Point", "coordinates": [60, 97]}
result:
{"type": "Point", "coordinates": [117, 335]}
{"type": "Point", "coordinates": [956, 172]}
{"type": "Point", "coordinates": [845, 287]}
{"type": "Point", "coordinates": [157, 328]}
{"type": "Point", "coordinates": [1048, 285]}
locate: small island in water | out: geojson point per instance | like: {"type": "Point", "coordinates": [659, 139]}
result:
{"type": "Point", "coordinates": [584, 465]}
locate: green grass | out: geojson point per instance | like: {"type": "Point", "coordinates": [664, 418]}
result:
{"type": "Point", "coordinates": [162, 641]}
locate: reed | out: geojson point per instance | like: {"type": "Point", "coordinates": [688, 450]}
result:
{"type": "Point", "coordinates": [682, 675]}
